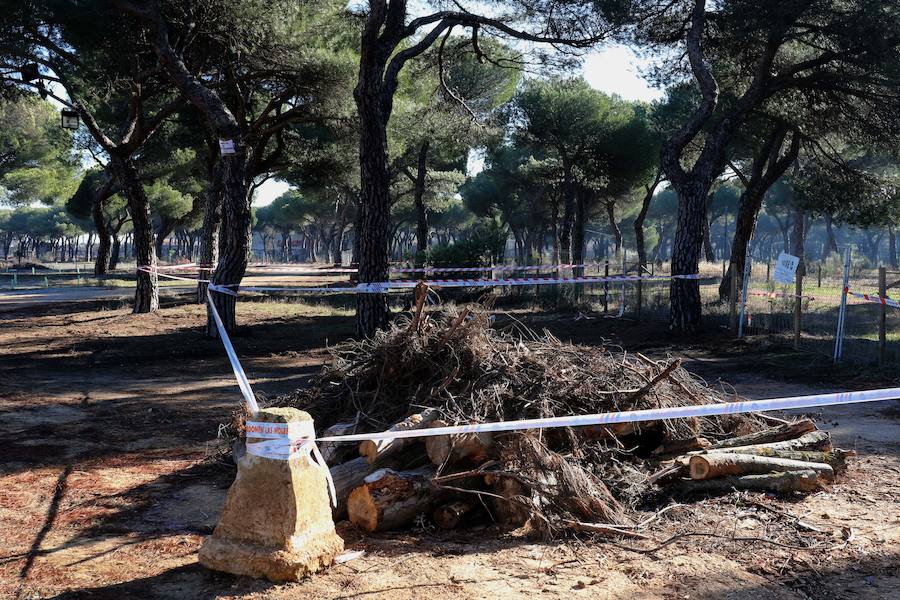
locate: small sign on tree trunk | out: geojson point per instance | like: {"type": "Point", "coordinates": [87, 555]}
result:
{"type": "Point", "coordinates": [226, 147]}
{"type": "Point", "coordinates": [786, 268]}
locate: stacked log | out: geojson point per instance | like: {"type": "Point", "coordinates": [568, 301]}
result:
{"type": "Point", "coordinates": [792, 457]}
{"type": "Point", "coordinates": [454, 480]}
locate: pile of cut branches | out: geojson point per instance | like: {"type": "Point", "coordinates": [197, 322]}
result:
{"type": "Point", "coordinates": [453, 368]}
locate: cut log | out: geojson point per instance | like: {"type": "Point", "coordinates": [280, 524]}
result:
{"type": "Point", "coordinates": [720, 464]}
{"type": "Point", "coordinates": [779, 483]}
{"type": "Point", "coordinates": [676, 447]}
{"type": "Point", "coordinates": [450, 516]}
{"type": "Point", "coordinates": [377, 450]}
{"type": "Point", "coordinates": [814, 440]}
{"type": "Point", "coordinates": [448, 449]}
{"type": "Point", "coordinates": [781, 433]}
{"type": "Point", "coordinates": [347, 477]}
{"type": "Point", "coordinates": [390, 499]}
{"type": "Point", "coordinates": [336, 452]}
{"type": "Point", "coordinates": [836, 458]}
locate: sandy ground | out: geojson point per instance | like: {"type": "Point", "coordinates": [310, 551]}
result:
{"type": "Point", "coordinates": [106, 488]}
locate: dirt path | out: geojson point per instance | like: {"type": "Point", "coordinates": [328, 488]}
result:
{"type": "Point", "coordinates": [107, 420]}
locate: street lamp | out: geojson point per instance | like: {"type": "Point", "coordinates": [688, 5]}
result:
{"type": "Point", "coordinates": [70, 119]}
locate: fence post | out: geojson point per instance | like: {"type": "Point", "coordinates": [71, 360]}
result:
{"type": "Point", "coordinates": [768, 267]}
{"type": "Point", "coordinates": [798, 306]}
{"type": "Point", "coordinates": [842, 312]}
{"type": "Point", "coordinates": [820, 273]}
{"type": "Point", "coordinates": [882, 314]}
{"type": "Point", "coordinates": [624, 273]}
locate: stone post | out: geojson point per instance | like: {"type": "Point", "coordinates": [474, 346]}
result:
{"type": "Point", "coordinates": [276, 522]}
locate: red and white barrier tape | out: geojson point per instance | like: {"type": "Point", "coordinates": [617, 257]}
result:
{"type": "Point", "coordinates": [385, 286]}
{"type": "Point", "coordinates": [874, 298]}
{"type": "Point", "coordinates": [773, 295]}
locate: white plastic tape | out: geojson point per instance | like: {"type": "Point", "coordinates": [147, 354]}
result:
{"type": "Point", "coordinates": [287, 441]}
{"type": "Point", "coordinates": [242, 380]}
{"type": "Point", "coordinates": [634, 416]}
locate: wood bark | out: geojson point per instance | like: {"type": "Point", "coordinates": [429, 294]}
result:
{"type": "Point", "coordinates": [720, 464]}
{"type": "Point", "coordinates": [677, 447]}
{"type": "Point", "coordinates": [449, 449]}
{"type": "Point", "coordinates": [146, 294]}
{"type": "Point", "coordinates": [814, 440]}
{"type": "Point", "coordinates": [510, 501]}
{"type": "Point", "coordinates": [788, 431]}
{"type": "Point", "coordinates": [836, 459]}
{"type": "Point", "coordinates": [378, 450]}
{"type": "Point", "coordinates": [347, 477]}
{"type": "Point", "coordinates": [779, 483]}
{"type": "Point", "coordinates": [390, 499]}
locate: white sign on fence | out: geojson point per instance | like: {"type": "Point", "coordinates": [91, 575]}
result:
{"type": "Point", "coordinates": [786, 268]}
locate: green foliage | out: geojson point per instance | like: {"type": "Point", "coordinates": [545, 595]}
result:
{"type": "Point", "coordinates": [484, 246]}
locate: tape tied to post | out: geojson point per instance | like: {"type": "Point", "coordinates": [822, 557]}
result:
{"type": "Point", "coordinates": [288, 441]}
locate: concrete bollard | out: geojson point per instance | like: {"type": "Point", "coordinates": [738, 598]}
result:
{"type": "Point", "coordinates": [276, 522]}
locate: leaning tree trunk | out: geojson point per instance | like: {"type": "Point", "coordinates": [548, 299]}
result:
{"type": "Point", "coordinates": [685, 307]}
{"type": "Point", "coordinates": [146, 293]}
{"type": "Point", "coordinates": [639, 222]}
{"type": "Point", "coordinates": [748, 213]}
{"type": "Point", "coordinates": [234, 237]}
{"type": "Point", "coordinates": [114, 254]}
{"type": "Point", "coordinates": [419, 199]}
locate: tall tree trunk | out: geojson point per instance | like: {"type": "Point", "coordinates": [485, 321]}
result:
{"type": "Point", "coordinates": [565, 234]}
{"type": "Point", "coordinates": [146, 294]}
{"type": "Point", "coordinates": [419, 199]}
{"type": "Point", "coordinates": [578, 232]}
{"type": "Point", "coordinates": [829, 234]}
{"type": "Point", "coordinates": [892, 247]}
{"type": "Point", "coordinates": [707, 239]}
{"type": "Point", "coordinates": [235, 237]}
{"type": "Point", "coordinates": [798, 239]}
{"type": "Point", "coordinates": [374, 233]}
{"type": "Point", "coordinates": [684, 294]}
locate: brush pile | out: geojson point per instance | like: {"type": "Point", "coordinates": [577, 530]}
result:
{"type": "Point", "coordinates": [455, 368]}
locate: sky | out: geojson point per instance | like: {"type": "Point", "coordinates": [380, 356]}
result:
{"type": "Point", "coordinates": [614, 70]}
